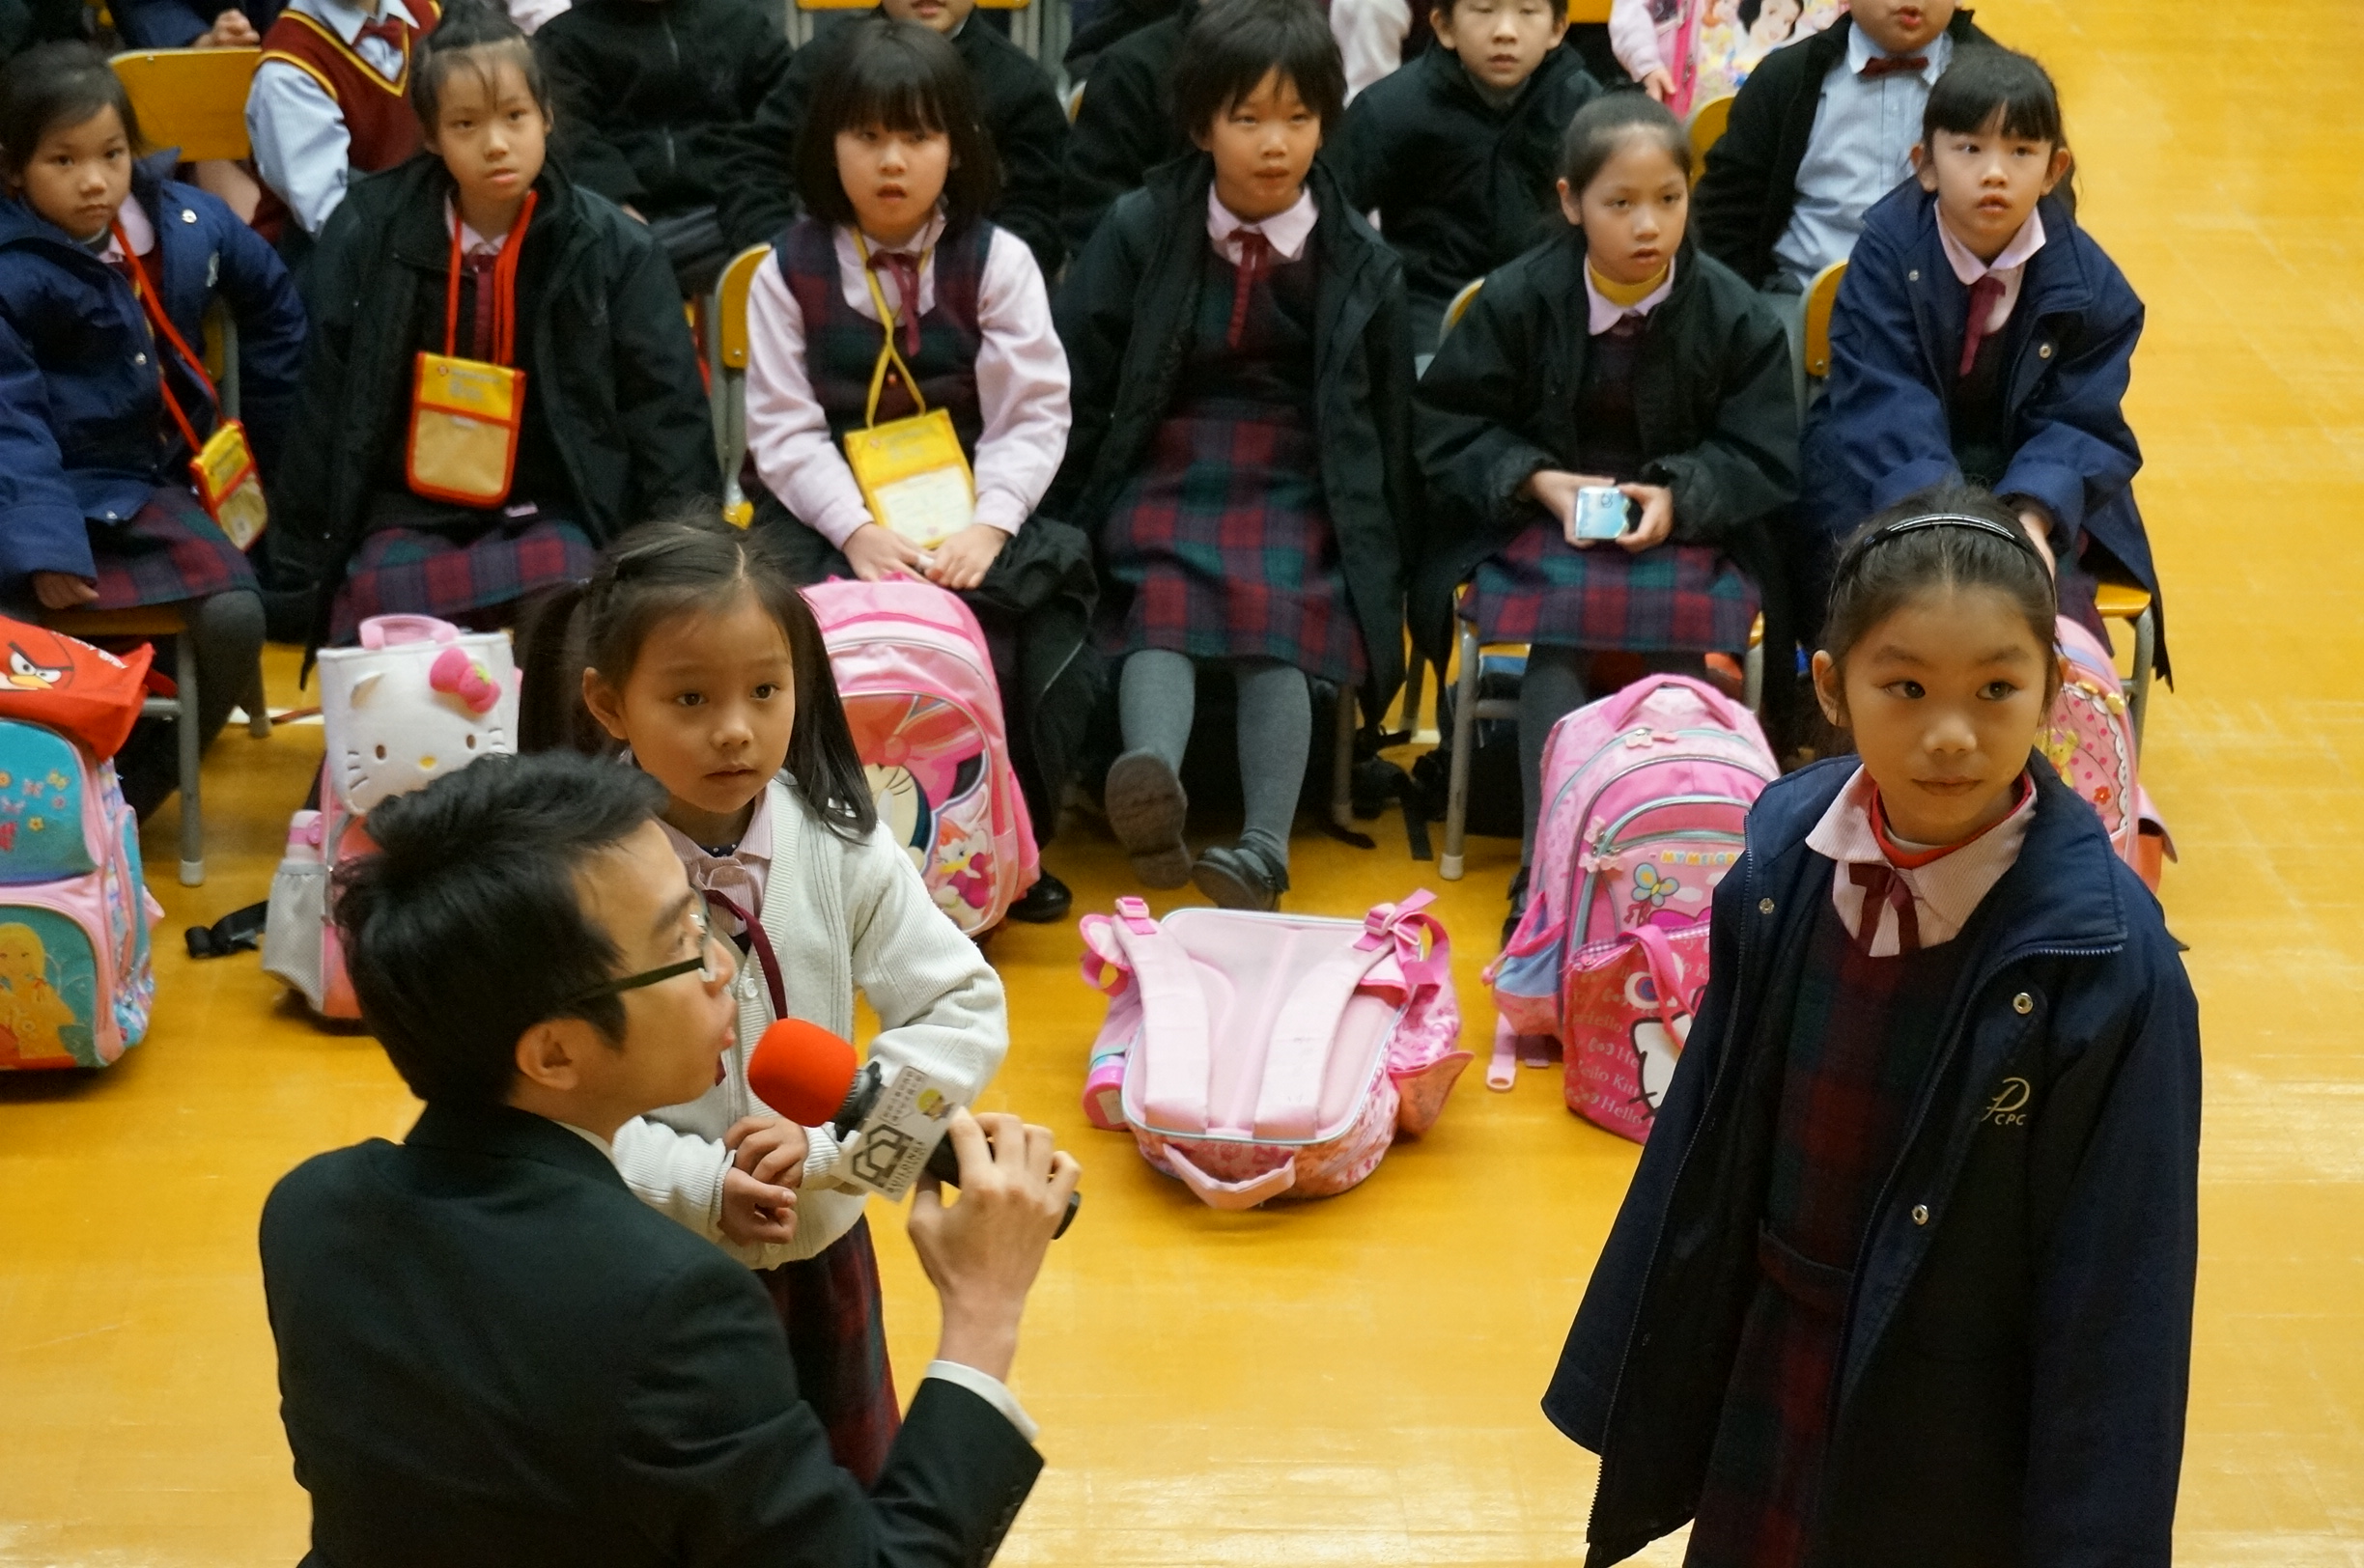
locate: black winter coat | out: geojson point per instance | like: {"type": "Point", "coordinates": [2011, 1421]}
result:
{"type": "Point", "coordinates": [1125, 126]}
{"type": "Point", "coordinates": [1125, 315]}
{"type": "Point", "coordinates": [2018, 1340]}
{"type": "Point", "coordinates": [610, 361]}
{"type": "Point", "coordinates": [648, 93]}
{"type": "Point", "coordinates": [1742, 205]}
{"type": "Point", "coordinates": [1712, 395]}
{"type": "Point", "coordinates": [1460, 186]}
{"type": "Point", "coordinates": [1021, 113]}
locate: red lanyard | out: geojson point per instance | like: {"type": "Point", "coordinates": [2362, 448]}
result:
{"type": "Point", "coordinates": [160, 325]}
{"type": "Point", "coordinates": [504, 284]}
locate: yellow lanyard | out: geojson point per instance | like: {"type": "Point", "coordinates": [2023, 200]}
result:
{"type": "Point", "coordinates": [888, 353]}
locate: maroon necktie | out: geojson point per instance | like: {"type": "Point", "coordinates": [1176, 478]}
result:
{"type": "Point", "coordinates": [1884, 64]}
{"type": "Point", "coordinates": [1254, 257]}
{"type": "Point", "coordinates": [387, 28]}
{"type": "Point", "coordinates": [1880, 885]}
{"type": "Point", "coordinates": [906, 275]}
{"type": "Point", "coordinates": [1983, 296]}
{"type": "Point", "coordinates": [480, 265]}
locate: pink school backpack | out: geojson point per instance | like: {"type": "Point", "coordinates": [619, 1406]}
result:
{"type": "Point", "coordinates": [2091, 744]}
{"type": "Point", "coordinates": [1255, 1056]}
{"type": "Point", "coordinates": [1646, 792]}
{"type": "Point", "coordinates": [417, 699]}
{"type": "Point", "coordinates": [919, 693]}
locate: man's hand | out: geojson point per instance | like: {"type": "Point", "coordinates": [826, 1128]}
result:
{"type": "Point", "coordinates": [983, 1252]}
{"type": "Point", "coordinates": [1659, 84]}
{"type": "Point", "coordinates": [231, 30]}
{"type": "Point", "coordinates": [63, 590]}
{"type": "Point", "coordinates": [961, 561]}
{"type": "Point", "coordinates": [755, 1213]}
{"type": "Point", "coordinates": [1657, 516]}
{"type": "Point", "coordinates": [876, 553]}
{"type": "Point", "coordinates": [771, 1149]}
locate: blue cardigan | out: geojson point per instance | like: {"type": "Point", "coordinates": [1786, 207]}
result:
{"type": "Point", "coordinates": [2018, 1340]}
{"type": "Point", "coordinates": [1882, 429]}
{"type": "Point", "coordinates": [83, 431]}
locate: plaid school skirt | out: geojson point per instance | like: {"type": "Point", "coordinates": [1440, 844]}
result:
{"type": "Point", "coordinates": [838, 1337]}
{"type": "Point", "coordinates": [168, 552]}
{"type": "Point", "coordinates": [1540, 588]}
{"type": "Point", "coordinates": [1228, 548]}
{"type": "Point", "coordinates": [452, 569]}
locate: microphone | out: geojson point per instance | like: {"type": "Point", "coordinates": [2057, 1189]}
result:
{"type": "Point", "coordinates": [893, 1129]}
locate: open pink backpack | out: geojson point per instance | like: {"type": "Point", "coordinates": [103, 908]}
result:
{"type": "Point", "coordinates": [2091, 745]}
{"type": "Point", "coordinates": [1646, 796]}
{"type": "Point", "coordinates": [1255, 1055]}
{"type": "Point", "coordinates": [919, 692]}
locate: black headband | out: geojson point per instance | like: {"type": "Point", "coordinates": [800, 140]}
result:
{"type": "Point", "coordinates": [1898, 529]}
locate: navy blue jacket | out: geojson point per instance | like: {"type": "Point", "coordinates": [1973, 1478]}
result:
{"type": "Point", "coordinates": [2018, 1343]}
{"type": "Point", "coordinates": [1882, 431]}
{"type": "Point", "coordinates": [83, 431]}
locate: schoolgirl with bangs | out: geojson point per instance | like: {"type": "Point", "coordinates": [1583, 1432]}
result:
{"type": "Point", "coordinates": [894, 270]}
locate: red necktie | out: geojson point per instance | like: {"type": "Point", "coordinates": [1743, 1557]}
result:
{"type": "Point", "coordinates": [1983, 296]}
{"type": "Point", "coordinates": [1884, 64]}
{"type": "Point", "coordinates": [1880, 885]}
{"type": "Point", "coordinates": [480, 265]}
{"type": "Point", "coordinates": [1255, 256]}
{"type": "Point", "coordinates": [906, 275]}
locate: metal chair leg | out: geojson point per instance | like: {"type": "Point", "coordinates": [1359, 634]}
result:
{"type": "Point", "coordinates": [1464, 735]}
{"type": "Point", "coordinates": [1752, 677]}
{"type": "Point", "coordinates": [192, 809]}
{"type": "Point", "coordinates": [1341, 771]}
{"type": "Point", "coordinates": [2146, 647]}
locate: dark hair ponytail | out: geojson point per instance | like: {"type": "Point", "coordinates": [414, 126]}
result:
{"type": "Point", "coordinates": [55, 85]}
{"type": "Point", "coordinates": [1606, 124]}
{"type": "Point", "coordinates": [463, 27]}
{"type": "Point", "coordinates": [676, 567]}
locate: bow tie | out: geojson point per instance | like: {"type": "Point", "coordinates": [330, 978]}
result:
{"type": "Point", "coordinates": [905, 270]}
{"type": "Point", "coordinates": [1887, 65]}
{"type": "Point", "coordinates": [1882, 887]}
{"type": "Point", "coordinates": [388, 28]}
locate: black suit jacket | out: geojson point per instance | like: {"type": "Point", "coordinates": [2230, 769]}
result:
{"type": "Point", "coordinates": [1748, 189]}
{"type": "Point", "coordinates": [492, 1353]}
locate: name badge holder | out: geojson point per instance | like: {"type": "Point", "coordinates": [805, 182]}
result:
{"type": "Point", "coordinates": [465, 413]}
{"type": "Point", "coordinates": [914, 475]}
{"type": "Point", "coordinates": [222, 465]}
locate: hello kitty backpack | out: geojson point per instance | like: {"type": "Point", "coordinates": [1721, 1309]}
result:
{"type": "Point", "coordinates": [77, 980]}
{"type": "Point", "coordinates": [1257, 1056]}
{"type": "Point", "coordinates": [417, 699]}
{"type": "Point", "coordinates": [1646, 794]}
{"type": "Point", "coordinates": [919, 693]}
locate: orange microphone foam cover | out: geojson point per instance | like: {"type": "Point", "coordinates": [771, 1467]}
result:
{"type": "Point", "coordinates": [801, 1070]}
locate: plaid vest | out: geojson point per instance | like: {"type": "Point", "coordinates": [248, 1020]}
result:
{"type": "Point", "coordinates": [841, 345]}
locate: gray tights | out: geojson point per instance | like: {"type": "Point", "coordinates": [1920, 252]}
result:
{"type": "Point", "coordinates": [1157, 699]}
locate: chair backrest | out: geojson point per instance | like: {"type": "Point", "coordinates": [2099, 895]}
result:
{"type": "Point", "coordinates": [727, 336]}
{"type": "Point", "coordinates": [1707, 122]}
{"type": "Point", "coordinates": [1460, 306]}
{"type": "Point", "coordinates": [1820, 297]}
{"type": "Point", "coordinates": [194, 100]}
{"type": "Point", "coordinates": [1587, 11]}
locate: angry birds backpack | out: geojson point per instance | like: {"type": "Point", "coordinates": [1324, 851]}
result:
{"type": "Point", "coordinates": [417, 699]}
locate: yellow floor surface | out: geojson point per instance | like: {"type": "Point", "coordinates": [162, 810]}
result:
{"type": "Point", "coordinates": [1353, 1382]}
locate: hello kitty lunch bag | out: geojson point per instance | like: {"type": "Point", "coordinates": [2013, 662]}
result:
{"type": "Point", "coordinates": [417, 699]}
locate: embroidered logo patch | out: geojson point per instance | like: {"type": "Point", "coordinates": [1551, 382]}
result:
{"type": "Point", "coordinates": [2008, 1106]}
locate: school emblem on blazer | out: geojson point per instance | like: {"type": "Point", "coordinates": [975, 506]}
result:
{"type": "Point", "coordinates": [2009, 1105]}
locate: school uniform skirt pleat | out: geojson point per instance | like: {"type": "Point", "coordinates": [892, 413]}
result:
{"type": "Point", "coordinates": [829, 1303]}
{"type": "Point", "coordinates": [166, 552]}
{"type": "Point", "coordinates": [449, 570]}
{"type": "Point", "coordinates": [1542, 589]}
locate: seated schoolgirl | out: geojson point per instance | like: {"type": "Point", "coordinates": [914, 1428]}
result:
{"type": "Point", "coordinates": [1982, 334]}
{"type": "Point", "coordinates": [106, 272]}
{"type": "Point", "coordinates": [1614, 356]}
{"type": "Point", "coordinates": [1905, 1274]}
{"type": "Point", "coordinates": [894, 271]}
{"type": "Point", "coordinates": [1241, 450]}
{"type": "Point", "coordinates": [477, 265]}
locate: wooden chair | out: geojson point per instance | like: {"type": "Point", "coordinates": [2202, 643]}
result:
{"type": "Point", "coordinates": [153, 621]}
{"type": "Point", "coordinates": [1587, 11]}
{"type": "Point", "coordinates": [194, 100]}
{"type": "Point", "coordinates": [1417, 671]}
{"type": "Point", "coordinates": [728, 349]}
{"type": "Point", "coordinates": [1708, 119]}
{"type": "Point", "coordinates": [2124, 602]}
{"type": "Point", "coordinates": [1815, 352]}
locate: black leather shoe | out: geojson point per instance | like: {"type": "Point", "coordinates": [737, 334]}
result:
{"type": "Point", "coordinates": [1239, 878]}
{"type": "Point", "coordinates": [1048, 900]}
{"type": "Point", "coordinates": [1518, 905]}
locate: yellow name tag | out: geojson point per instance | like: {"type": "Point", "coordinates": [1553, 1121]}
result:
{"type": "Point", "coordinates": [228, 485]}
{"type": "Point", "coordinates": [915, 477]}
{"type": "Point", "coordinates": [464, 418]}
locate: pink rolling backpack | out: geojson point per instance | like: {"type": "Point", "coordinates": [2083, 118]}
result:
{"type": "Point", "coordinates": [2091, 744]}
{"type": "Point", "coordinates": [1646, 794]}
{"type": "Point", "coordinates": [919, 693]}
{"type": "Point", "coordinates": [1255, 1056]}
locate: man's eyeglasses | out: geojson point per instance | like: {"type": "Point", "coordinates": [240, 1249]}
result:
{"type": "Point", "coordinates": [703, 964]}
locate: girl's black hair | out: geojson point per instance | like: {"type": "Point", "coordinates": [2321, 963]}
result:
{"type": "Point", "coordinates": [1233, 45]}
{"type": "Point", "coordinates": [1606, 124]}
{"type": "Point", "coordinates": [1946, 537]}
{"type": "Point", "coordinates": [1986, 81]}
{"type": "Point", "coordinates": [676, 567]}
{"type": "Point", "coordinates": [897, 76]}
{"type": "Point", "coordinates": [468, 26]}
{"type": "Point", "coordinates": [54, 85]}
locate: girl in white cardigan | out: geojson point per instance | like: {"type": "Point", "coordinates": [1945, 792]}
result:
{"type": "Point", "coordinates": [692, 647]}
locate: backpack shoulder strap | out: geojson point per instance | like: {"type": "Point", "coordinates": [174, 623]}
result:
{"type": "Point", "coordinates": [1173, 1049]}
{"type": "Point", "coordinates": [1289, 1097]}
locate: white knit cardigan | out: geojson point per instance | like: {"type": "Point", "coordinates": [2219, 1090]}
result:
{"type": "Point", "coordinates": [839, 915]}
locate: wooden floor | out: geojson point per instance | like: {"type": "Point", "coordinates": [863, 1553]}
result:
{"type": "Point", "coordinates": [1355, 1382]}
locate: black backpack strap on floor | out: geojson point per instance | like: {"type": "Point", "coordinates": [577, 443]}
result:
{"type": "Point", "coordinates": [241, 931]}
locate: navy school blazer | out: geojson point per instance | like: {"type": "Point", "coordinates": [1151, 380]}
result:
{"type": "Point", "coordinates": [2018, 1345]}
{"type": "Point", "coordinates": [1882, 429]}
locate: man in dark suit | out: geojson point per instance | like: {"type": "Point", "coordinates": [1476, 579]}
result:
{"type": "Point", "coordinates": [490, 1351]}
